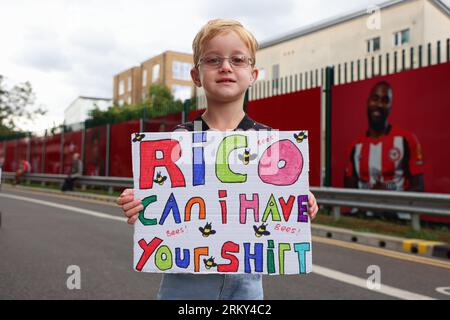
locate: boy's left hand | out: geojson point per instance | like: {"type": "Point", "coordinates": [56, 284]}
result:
{"type": "Point", "coordinates": [312, 206]}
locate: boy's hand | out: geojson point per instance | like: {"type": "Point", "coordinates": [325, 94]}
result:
{"type": "Point", "coordinates": [130, 206]}
{"type": "Point", "coordinates": [312, 206]}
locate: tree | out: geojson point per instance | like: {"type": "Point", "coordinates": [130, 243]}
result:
{"type": "Point", "coordinates": [160, 102]}
{"type": "Point", "coordinates": [15, 106]}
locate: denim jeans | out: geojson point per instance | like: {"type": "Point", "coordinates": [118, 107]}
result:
{"type": "Point", "coordinates": [211, 287]}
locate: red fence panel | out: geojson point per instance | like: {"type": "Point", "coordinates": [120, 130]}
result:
{"type": "Point", "coordinates": [95, 151]}
{"type": "Point", "coordinates": [163, 123]}
{"type": "Point", "coordinates": [10, 156]}
{"type": "Point", "coordinates": [120, 156]}
{"type": "Point", "coordinates": [2, 153]}
{"type": "Point", "coordinates": [22, 148]}
{"type": "Point", "coordinates": [294, 111]}
{"type": "Point", "coordinates": [53, 154]}
{"type": "Point", "coordinates": [36, 149]}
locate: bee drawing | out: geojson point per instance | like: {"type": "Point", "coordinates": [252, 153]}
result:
{"type": "Point", "coordinates": [209, 263]}
{"type": "Point", "coordinates": [300, 137]}
{"type": "Point", "coordinates": [207, 230]}
{"type": "Point", "coordinates": [247, 157]}
{"type": "Point", "coordinates": [160, 179]}
{"type": "Point", "coordinates": [138, 137]}
{"type": "Point", "coordinates": [261, 230]}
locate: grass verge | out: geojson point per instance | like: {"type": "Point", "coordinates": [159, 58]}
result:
{"type": "Point", "coordinates": [390, 228]}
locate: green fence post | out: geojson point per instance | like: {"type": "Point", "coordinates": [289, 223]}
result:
{"type": "Point", "coordinates": [345, 72]}
{"type": "Point", "coordinates": [44, 147]}
{"type": "Point", "coordinates": [395, 61]}
{"type": "Point", "coordinates": [352, 65]}
{"type": "Point", "coordinates": [429, 54]}
{"type": "Point", "coordinates": [438, 52]}
{"type": "Point", "coordinates": [61, 157]}
{"type": "Point", "coordinates": [108, 152]}
{"type": "Point", "coordinates": [380, 65]}
{"type": "Point", "coordinates": [403, 60]}
{"type": "Point", "coordinates": [83, 147]}
{"type": "Point", "coordinates": [329, 81]}
{"type": "Point", "coordinates": [420, 56]}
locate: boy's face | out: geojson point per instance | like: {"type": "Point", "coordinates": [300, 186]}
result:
{"type": "Point", "coordinates": [224, 83]}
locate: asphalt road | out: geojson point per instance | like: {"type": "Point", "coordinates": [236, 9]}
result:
{"type": "Point", "coordinates": [41, 235]}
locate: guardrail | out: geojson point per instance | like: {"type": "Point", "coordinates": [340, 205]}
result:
{"type": "Point", "coordinates": [98, 181]}
{"type": "Point", "coordinates": [414, 203]}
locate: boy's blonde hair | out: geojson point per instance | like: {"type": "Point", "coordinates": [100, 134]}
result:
{"type": "Point", "coordinates": [223, 26]}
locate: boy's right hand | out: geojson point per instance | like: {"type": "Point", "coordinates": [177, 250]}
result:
{"type": "Point", "coordinates": [130, 206]}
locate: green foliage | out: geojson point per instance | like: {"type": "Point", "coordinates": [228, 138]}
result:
{"type": "Point", "coordinates": [15, 106]}
{"type": "Point", "coordinates": [160, 102]}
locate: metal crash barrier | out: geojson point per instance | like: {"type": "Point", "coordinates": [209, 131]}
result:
{"type": "Point", "coordinates": [414, 203]}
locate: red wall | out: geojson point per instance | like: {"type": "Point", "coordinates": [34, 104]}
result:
{"type": "Point", "coordinates": [10, 162]}
{"type": "Point", "coordinates": [421, 104]}
{"type": "Point", "coordinates": [2, 153]}
{"type": "Point", "coordinates": [120, 159]}
{"type": "Point", "coordinates": [36, 154]}
{"type": "Point", "coordinates": [53, 154]}
{"type": "Point", "coordinates": [290, 112]}
{"type": "Point", "coordinates": [22, 146]}
{"type": "Point", "coordinates": [171, 120]}
{"type": "Point", "coordinates": [95, 151]}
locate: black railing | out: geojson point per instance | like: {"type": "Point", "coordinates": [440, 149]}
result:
{"type": "Point", "coordinates": [398, 60]}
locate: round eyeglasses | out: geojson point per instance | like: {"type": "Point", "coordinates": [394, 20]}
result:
{"type": "Point", "coordinates": [238, 61]}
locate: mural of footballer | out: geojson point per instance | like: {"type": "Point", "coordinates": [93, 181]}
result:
{"type": "Point", "coordinates": [386, 157]}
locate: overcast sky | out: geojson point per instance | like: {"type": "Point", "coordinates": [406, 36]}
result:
{"type": "Point", "coordinates": [68, 48]}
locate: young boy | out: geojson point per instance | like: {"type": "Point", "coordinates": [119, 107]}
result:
{"type": "Point", "coordinates": [224, 58]}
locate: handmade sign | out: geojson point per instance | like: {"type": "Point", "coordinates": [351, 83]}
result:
{"type": "Point", "coordinates": [222, 202]}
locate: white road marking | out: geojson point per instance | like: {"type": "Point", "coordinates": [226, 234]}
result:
{"type": "Point", "coordinates": [362, 283]}
{"type": "Point", "coordinates": [444, 290]}
{"type": "Point", "coordinates": [322, 271]}
{"type": "Point", "coordinates": [65, 207]}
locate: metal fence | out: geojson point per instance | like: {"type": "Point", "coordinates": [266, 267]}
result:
{"type": "Point", "coordinates": [413, 203]}
{"type": "Point", "coordinates": [359, 69]}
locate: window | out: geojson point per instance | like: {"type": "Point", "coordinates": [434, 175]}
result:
{"type": "Point", "coordinates": [275, 75]}
{"type": "Point", "coordinates": [121, 88]}
{"type": "Point", "coordinates": [121, 103]}
{"type": "Point", "coordinates": [129, 84]}
{"type": "Point", "coordinates": [181, 92]}
{"type": "Point", "coordinates": [129, 100]}
{"type": "Point", "coordinates": [401, 37]}
{"type": "Point", "coordinates": [373, 45]}
{"type": "Point", "coordinates": [144, 77]}
{"type": "Point", "coordinates": [181, 70]}
{"type": "Point", "coordinates": [155, 73]}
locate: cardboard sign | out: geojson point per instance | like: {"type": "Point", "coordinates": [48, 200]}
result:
{"type": "Point", "coordinates": [222, 202]}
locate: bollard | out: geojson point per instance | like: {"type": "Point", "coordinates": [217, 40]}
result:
{"type": "Point", "coordinates": [336, 213]}
{"type": "Point", "coordinates": [415, 221]}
